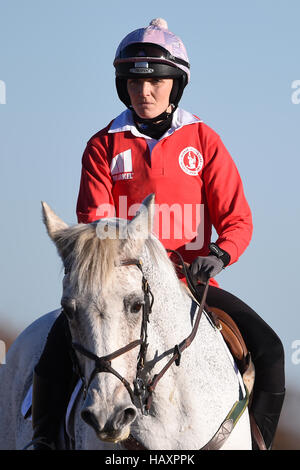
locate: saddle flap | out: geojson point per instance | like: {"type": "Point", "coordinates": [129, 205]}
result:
{"type": "Point", "coordinates": [232, 337]}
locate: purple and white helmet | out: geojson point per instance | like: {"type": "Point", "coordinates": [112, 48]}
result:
{"type": "Point", "coordinates": [149, 52]}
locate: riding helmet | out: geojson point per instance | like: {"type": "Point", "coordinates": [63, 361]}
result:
{"type": "Point", "coordinates": [152, 52]}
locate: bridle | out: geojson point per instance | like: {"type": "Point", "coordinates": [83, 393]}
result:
{"type": "Point", "coordinates": [140, 390]}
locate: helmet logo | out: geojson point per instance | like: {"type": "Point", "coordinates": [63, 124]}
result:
{"type": "Point", "coordinates": [141, 67]}
{"type": "Point", "coordinates": [191, 161]}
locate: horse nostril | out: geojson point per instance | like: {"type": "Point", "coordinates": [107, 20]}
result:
{"type": "Point", "coordinates": [129, 415]}
{"type": "Point", "coordinates": [124, 417]}
{"type": "Point", "coordinates": [90, 418]}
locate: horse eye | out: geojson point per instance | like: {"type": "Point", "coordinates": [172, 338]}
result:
{"type": "Point", "coordinates": [136, 307]}
{"type": "Point", "coordinates": [69, 313]}
{"type": "Point", "coordinates": [69, 307]}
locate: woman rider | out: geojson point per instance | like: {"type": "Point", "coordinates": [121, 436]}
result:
{"type": "Point", "coordinates": [156, 147]}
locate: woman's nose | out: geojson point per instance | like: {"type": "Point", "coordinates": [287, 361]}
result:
{"type": "Point", "coordinates": [144, 88]}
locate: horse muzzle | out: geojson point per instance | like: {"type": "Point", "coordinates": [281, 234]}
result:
{"type": "Point", "coordinates": [113, 426]}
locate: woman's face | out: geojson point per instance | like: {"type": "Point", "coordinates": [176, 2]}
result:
{"type": "Point", "coordinates": [150, 96]}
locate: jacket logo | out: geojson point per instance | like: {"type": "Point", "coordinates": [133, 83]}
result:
{"type": "Point", "coordinates": [121, 166]}
{"type": "Point", "coordinates": [191, 161]}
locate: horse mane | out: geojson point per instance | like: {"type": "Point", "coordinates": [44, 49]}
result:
{"type": "Point", "coordinates": [90, 259]}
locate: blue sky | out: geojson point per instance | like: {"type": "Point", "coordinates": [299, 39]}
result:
{"type": "Point", "coordinates": [56, 63]}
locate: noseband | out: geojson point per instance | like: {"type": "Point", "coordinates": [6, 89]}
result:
{"type": "Point", "coordinates": [140, 390]}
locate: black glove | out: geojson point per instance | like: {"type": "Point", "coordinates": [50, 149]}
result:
{"type": "Point", "coordinates": [204, 267]}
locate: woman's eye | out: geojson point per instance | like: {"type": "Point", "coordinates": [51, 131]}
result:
{"type": "Point", "coordinates": [133, 82]}
{"type": "Point", "coordinates": [136, 307]}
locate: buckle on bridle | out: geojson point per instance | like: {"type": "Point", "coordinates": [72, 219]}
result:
{"type": "Point", "coordinates": [140, 392]}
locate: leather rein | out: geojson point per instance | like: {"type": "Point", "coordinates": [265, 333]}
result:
{"type": "Point", "coordinates": [140, 390]}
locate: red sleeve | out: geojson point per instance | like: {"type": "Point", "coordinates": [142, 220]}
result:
{"type": "Point", "coordinates": [95, 198]}
{"type": "Point", "coordinates": [228, 208]}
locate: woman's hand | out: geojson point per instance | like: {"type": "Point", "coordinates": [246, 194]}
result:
{"type": "Point", "coordinates": [204, 267]}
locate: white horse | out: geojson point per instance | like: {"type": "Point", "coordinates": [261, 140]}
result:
{"type": "Point", "coordinates": [199, 404]}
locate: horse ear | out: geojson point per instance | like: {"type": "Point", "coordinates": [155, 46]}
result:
{"type": "Point", "coordinates": [142, 223]}
{"type": "Point", "coordinates": [53, 223]}
{"type": "Point", "coordinates": [140, 227]}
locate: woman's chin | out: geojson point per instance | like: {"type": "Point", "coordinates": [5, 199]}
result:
{"type": "Point", "coordinates": [146, 115]}
{"type": "Point", "coordinates": [146, 112]}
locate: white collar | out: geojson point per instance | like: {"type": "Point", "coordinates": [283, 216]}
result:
{"type": "Point", "coordinates": [124, 122]}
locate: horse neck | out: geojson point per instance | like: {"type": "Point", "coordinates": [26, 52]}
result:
{"type": "Point", "coordinates": [171, 316]}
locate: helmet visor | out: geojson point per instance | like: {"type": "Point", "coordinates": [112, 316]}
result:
{"type": "Point", "coordinates": [141, 51]}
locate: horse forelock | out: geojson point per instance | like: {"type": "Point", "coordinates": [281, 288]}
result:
{"type": "Point", "coordinates": [90, 259]}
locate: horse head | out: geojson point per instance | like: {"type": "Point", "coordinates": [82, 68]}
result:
{"type": "Point", "coordinates": [103, 299]}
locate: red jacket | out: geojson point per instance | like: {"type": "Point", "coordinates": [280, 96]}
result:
{"type": "Point", "coordinates": [194, 178]}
